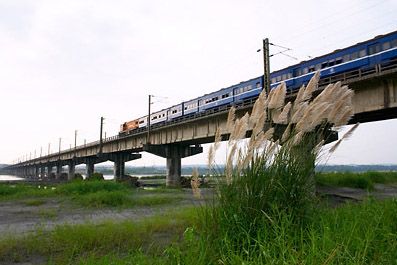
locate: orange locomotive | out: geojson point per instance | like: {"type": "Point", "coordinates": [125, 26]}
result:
{"type": "Point", "coordinates": [129, 125]}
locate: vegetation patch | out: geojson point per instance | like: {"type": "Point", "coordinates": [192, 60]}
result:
{"type": "Point", "coordinates": [365, 180]}
{"type": "Point", "coordinates": [16, 191]}
{"type": "Point", "coordinates": [86, 187]}
{"type": "Point", "coordinates": [73, 244]}
{"type": "Point", "coordinates": [34, 202]}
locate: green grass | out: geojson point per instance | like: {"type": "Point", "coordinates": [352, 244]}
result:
{"type": "Point", "coordinates": [352, 234]}
{"type": "Point", "coordinates": [85, 244]}
{"type": "Point", "coordinates": [87, 187]}
{"type": "Point", "coordinates": [34, 202]}
{"type": "Point", "coordinates": [364, 180]}
{"type": "Point", "coordinates": [17, 191]}
{"type": "Point", "coordinates": [124, 199]}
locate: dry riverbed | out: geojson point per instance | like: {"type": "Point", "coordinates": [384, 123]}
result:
{"type": "Point", "coordinates": [26, 215]}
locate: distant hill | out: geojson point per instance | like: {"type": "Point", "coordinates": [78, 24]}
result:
{"type": "Point", "coordinates": [202, 169]}
{"type": "Point", "coordinates": [355, 168]}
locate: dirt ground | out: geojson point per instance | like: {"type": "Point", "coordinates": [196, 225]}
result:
{"type": "Point", "coordinates": [17, 217]}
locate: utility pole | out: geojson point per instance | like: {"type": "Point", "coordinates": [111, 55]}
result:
{"type": "Point", "coordinates": [75, 139]}
{"type": "Point", "coordinates": [60, 142]}
{"type": "Point", "coordinates": [49, 147]}
{"type": "Point", "coordinates": [266, 66]}
{"type": "Point", "coordinates": [41, 151]}
{"type": "Point", "coordinates": [100, 136]}
{"type": "Point", "coordinates": [148, 121]}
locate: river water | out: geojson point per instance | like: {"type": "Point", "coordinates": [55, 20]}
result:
{"type": "Point", "coordinates": [9, 177]}
{"type": "Point", "coordinates": [13, 178]}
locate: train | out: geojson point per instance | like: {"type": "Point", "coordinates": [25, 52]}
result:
{"type": "Point", "coordinates": [363, 55]}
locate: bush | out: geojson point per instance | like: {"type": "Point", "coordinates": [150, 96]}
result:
{"type": "Point", "coordinates": [103, 198]}
{"type": "Point", "coordinates": [130, 181]}
{"type": "Point", "coordinates": [85, 187]}
{"type": "Point", "coordinates": [78, 177]}
{"type": "Point", "coordinates": [95, 177]}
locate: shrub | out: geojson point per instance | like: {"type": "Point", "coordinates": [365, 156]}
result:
{"type": "Point", "coordinates": [95, 177]}
{"type": "Point", "coordinates": [103, 198]}
{"type": "Point", "coordinates": [85, 187]}
{"type": "Point", "coordinates": [78, 177]}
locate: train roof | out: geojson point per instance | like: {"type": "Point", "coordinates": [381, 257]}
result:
{"type": "Point", "coordinates": [337, 50]}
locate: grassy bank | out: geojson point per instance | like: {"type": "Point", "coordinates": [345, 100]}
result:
{"type": "Point", "coordinates": [94, 194]}
{"type": "Point", "coordinates": [365, 180]}
{"type": "Point", "coordinates": [352, 234]}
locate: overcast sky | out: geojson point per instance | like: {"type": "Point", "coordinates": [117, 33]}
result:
{"type": "Point", "coordinates": [64, 64]}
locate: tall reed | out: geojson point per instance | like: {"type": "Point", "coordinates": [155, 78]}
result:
{"type": "Point", "coordinates": [270, 180]}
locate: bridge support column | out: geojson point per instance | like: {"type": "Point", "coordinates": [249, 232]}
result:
{"type": "Point", "coordinates": [90, 164]}
{"type": "Point", "coordinates": [42, 172]}
{"type": "Point", "coordinates": [37, 171]}
{"type": "Point", "coordinates": [59, 171]}
{"type": "Point", "coordinates": [174, 154]}
{"type": "Point", "coordinates": [49, 171]}
{"type": "Point", "coordinates": [71, 170]}
{"type": "Point", "coordinates": [119, 160]}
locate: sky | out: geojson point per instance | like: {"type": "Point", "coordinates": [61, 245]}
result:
{"type": "Point", "coordinates": [64, 64]}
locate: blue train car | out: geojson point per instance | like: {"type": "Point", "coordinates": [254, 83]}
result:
{"type": "Point", "coordinates": [248, 89]}
{"type": "Point", "coordinates": [360, 56]}
{"type": "Point", "coordinates": [364, 55]}
{"type": "Point", "coordinates": [215, 99]}
{"type": "Point", "coordinates": [174, 112]}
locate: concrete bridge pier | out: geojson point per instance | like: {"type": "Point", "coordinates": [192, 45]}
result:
{"type": "Point", "coordinates": [42, 172]}
{"type": "Point", "coordinates": [37, 171]}
{"type": "Point", "coordinates": [174, 154]}
{"type": "Point", "coordinates": [119, 160]}
{"type": "Point", "coordinates": [90, 164]}
{"type": "Point", "coordinates": [71, 170]}
{"type": "Point", "coordinates": [58, 171]}
{"type": "Point", "coordinates": [49, 171]}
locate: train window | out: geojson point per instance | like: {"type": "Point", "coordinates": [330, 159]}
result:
{"type": "Point", "coordinates": [305, 70]}
{"type": "Point", "coordinates": [362, 53]}
{"type": "Point", "coordinates": [289, 75]}
{"type": "Point", "coordinates": [278, 78]}
{"type": "Point", "coordinates": [273, 80]}
{"type": "Point", "coordinates": [394, 43]}
{"type": "Point", "coordinates": [174, 111]}
{"type": "Point", "coordinates": [284, 76]}
{"type": "Point", "coordinates": [225, 95]}
{"type": "Point", "coordinates": [258, 84]}
{"type": "Point", "coordinates": [331, 63]}
{"type": "Point", "coordinates": [375, 48]}
{"type": "Point", "coordinates": [140, 122]}
{"type": "Point", "coordinates": [354, 55]}
{"type": "Point", "coordinates": [386, 46]}
{"type": "Point", "coordinates": [338, 60]}
{"type": "Point", "coordinates": [312, 68]}
{"type": "Point", "coordinates": [346, 57]}
{"type": "Point", "coordinates": [324, 64]}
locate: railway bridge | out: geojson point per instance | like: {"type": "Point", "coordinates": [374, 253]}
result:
{"type": "Point", "coordinates": [375, 99]}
